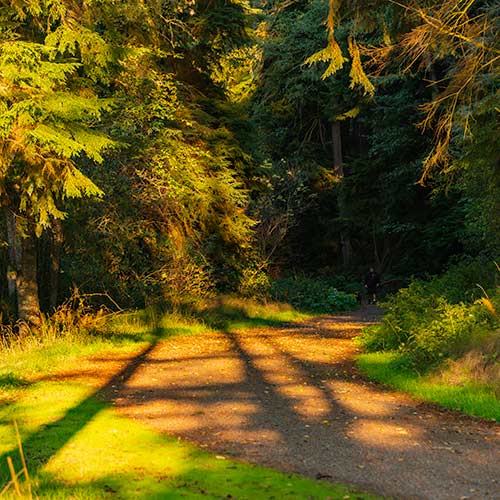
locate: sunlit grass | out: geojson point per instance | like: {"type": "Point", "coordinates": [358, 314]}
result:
{"type": "Point", "coordinates": [471, 398]}
{"type": "Point", "coordinates": [57, 348]}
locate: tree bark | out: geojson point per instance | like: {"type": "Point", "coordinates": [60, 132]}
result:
{"type": "Point", "coordinates": [22, 272]}
{"type": "Point", "coordinates": [14, 251]}
{"type": "Point", "coordinates": [28, 306]}
{"type": "Point", "coordinates": [338, 168]}
{"type": "Point", "coordinates": [338, 162]}
{"type": "Point", "coordinates": [55, 262]}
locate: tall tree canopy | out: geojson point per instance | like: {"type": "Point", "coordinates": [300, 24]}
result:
{"type": "Point", "coordinates": [158, 150]}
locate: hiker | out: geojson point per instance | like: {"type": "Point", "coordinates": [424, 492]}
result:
{"type": "Point", "coordinates": [372, 282]}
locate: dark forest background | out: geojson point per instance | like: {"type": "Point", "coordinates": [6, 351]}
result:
{"type": "Point", "coordinates": [158, 150]}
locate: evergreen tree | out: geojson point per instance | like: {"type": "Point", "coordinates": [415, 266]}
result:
{"type": "Point", "coordinates": [174, 219]}
{"type": "Point", "coordinates": [47, 118]}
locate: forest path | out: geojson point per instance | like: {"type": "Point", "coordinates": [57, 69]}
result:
{"type": "Point", "coordinates": [290, 397]}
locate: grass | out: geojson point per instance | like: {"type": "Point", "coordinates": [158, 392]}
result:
{"type": "Point", "coordinates": [78, 447]}
{"type": "Point", "coordinates": [469, 397]}
{"type": "Point", "coordinates": [57, 347]}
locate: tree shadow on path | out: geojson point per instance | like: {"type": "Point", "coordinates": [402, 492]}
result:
{"type": "Point", "coordinates": [290, 397]}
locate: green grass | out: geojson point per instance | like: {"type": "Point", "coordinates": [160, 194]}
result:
{"type": "Point", "coordinates": [78, 447]}
{"type": "Point", "coordinates": [389, 368]}
{"type": "Point", "coordinates": [129, 331]}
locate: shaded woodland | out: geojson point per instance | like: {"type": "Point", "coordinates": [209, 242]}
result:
{"type": "Point", "coordinates": [191, 195]}
{"type": "Point", "coordinates": [156, 151]}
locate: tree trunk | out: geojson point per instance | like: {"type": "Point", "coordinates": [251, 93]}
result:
{"type": "Point", "coordinates": [55, 262]}
{"type": "Point", "coordinates": [338, 168]}
{"type": "Point", "coordinates": [28, 306]}
{"type": "Point", "coordinates": [22, 272]}
{"type": "Point", "coordinates": [338, 163]}
{"type": "Point", "coordinates": [375, 250]}
{"type": "Point", "coordinates": [14, 251]}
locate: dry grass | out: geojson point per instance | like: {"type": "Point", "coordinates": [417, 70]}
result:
{"type": "Point", "coordinates": [20, 490]}
{"type": "Point", "coordinates": [480, 366]}
{"type": "Point", "coordinates": [71, 321]}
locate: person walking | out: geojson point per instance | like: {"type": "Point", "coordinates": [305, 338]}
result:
{"type": "Point", "coordinates": [372, 283]}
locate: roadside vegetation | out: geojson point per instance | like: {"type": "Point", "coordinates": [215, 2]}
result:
{"type": "Point", "coordinates": [439, 339]}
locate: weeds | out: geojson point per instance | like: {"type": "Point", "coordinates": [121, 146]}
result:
{"type": "Point", "coordinates": [14, 483]}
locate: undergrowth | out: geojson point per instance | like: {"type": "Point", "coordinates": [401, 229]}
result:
{"type": "Point", "coordinates": [318, 295]}
{"type": "Point", "coordinates": [78, 447]}
{"type": "Point", "coordinates": [440, 339]}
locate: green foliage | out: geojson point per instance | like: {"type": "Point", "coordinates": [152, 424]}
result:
{"type": "Point", "coordinates": [254, 282]}
{"type": "Point", "coordinates": [47, 122]}
{"type": "Point", "coordinates": [224, 168]}
{"type": "Point", "coordinates": [174, 221]}
{"type": "Point", "coordinates": [331, 54]}
{"type": "Point", "coordinates": [432, 320]}
{"type": "Point", "coordinates": [314, 295]}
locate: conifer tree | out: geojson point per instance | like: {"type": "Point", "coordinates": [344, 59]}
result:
{"type": "Point", "coordinates": [48, 112]}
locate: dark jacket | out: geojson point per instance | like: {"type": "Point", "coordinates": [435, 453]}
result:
{"type": "Point", "coordinates": [372, 281]}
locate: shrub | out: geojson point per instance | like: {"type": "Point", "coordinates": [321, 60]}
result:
{"type": "Point", "coordinates": [314, 295]}
{"type": "Point", "coordinates": [254, 283]}
{"type": "Point", "coordinates": [435, 319]}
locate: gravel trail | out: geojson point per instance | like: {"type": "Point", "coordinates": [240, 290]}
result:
{"type": "Point", "coordinates": [291, 398]}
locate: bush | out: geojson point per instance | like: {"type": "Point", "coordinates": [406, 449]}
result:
{"type": "Point", "coordinates": [313, 295]}
{"type": "Point", "coordinates": [435, 319]}
{"type": "Point", "coordinates": [254, 283]}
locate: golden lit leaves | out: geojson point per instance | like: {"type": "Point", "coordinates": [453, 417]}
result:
{"type": "Point", "coordinates": [352, 113]}
{"type": "Point", "coordinates": [357, 74]}
{"type": "Point", "coordinates": [332, 53]}
{"type": "Point", "coordinates": [450, 29]}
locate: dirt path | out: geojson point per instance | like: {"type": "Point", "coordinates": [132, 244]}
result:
{"type": "Point", "coordinates": [291, 398]}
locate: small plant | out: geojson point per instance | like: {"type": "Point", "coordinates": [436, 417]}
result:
{"type": "Point", "coordinates": [14, 483]}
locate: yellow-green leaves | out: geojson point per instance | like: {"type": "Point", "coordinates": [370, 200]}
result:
{"type": "Point", "coordinates": [47, 122]}
{"type": "Point", "coordinates": [352, 113]}
{"type": "Point", "coordinates": [76, 184]}
{"type": "Point", "coordinates": [357, 74]}
{"type": "Point", "coordinates": [332, 53]}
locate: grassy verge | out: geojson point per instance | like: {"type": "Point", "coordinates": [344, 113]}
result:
{"type": "Point", "coordinates": [469, 397]}
{"type": "Point", "coordinates": [78, 447]}
{"type": "Point", "coordinates": [439, 339]}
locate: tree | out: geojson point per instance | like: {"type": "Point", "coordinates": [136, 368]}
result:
{"type": "Point", "coordinates": [47, 118]}
{"type": "Point", "coordinates": [174, 221]}
{"type": "Point", "coordinates": [360, 156]}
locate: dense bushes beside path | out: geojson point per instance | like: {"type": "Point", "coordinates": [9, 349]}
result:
{"type": "Point", "coordinates": [441, 317]}
{"type": "Point", "coordinates": [439, 339]}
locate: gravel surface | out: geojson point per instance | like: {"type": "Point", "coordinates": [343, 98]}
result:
{"type": "Point", "coordinates": [291, 398]}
